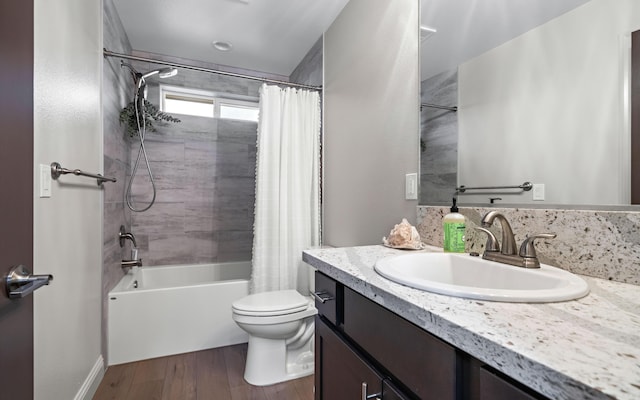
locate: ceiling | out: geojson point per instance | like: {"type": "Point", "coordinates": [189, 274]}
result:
{"type": "Point", "coordinates": [468, 28]}
{"type": "Point", "coordinates": [267, 35]}
{"type": "Point", "coordinates": [273, 36]}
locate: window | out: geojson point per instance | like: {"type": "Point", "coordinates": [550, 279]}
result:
{"type": "Point", "coordinates": [237, 109]}
{"type": "Point", "coordinates": [180, 100]}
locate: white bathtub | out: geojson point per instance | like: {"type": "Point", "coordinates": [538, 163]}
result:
{"type": "Point", "coordinates": [175, 309]}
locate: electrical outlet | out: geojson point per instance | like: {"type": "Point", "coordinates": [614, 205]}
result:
{"type": "Point", "coordinates": [538, 191]}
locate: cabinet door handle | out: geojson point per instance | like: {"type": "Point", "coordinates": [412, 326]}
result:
{"type": "Point", "coordinates": [365, 396]}
{"type": "Point", "coordinates": [319, 296]}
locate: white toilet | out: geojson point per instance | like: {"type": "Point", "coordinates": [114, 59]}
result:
{"type": "Point", "coordinates": [280, 327]}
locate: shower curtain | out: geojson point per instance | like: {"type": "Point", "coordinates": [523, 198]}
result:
{"type": "Point", "coordinates": [287, 210]}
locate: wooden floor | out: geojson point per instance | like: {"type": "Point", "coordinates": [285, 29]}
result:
{"type": "Point", "coordinates": [214, 374]}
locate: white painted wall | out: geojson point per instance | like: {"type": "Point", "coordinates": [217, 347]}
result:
{"type": "Point", "coordinates": [68, 226]}
{"type": "Point", "coordinates": [371, 119]}
{"type": "Point", "coordinates": [547, 107]}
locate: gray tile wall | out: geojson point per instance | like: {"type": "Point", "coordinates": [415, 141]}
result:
{"type": "Point", "coordinates": [204, 171]}
{"type": "Point", "coordinates": [116, 92]}
{"type": "Point", "coordinates": [439, 134]}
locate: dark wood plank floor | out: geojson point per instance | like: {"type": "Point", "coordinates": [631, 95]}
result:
{"type": "Point", "coordinates": [214, 374]}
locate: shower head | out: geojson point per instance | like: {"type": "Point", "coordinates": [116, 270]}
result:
{"type": "Point", "coordinates": [162, 73]}
{"type": "Point", "coordinates": [139, 78]}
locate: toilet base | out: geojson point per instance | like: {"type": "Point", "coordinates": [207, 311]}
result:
{"type": "Point", "coordinates": [268, 362]}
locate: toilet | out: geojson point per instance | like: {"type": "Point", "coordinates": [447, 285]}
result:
{"type": "Point", "coordinates": [280, 327]}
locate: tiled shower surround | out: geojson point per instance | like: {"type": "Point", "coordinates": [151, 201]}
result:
{"type": "Point", "coordinates": [602, 244]}
{"type": "Point", "coordinates": [204, 170]}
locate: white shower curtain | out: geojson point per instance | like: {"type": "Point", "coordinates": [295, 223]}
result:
{"type": "Point", "coordinates": [287, 210]}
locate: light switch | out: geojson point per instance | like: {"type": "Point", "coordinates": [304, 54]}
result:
{"type": "Point", "coordinates": [538, 191]}
{"type": "Point", "coordinates": [411, 186]}
{"type": "Point", "coordinates": [45, 180]}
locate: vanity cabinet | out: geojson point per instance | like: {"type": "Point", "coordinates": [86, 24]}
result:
{"type": "Point", "coordinates": [343, 374]}
{"type": "Point", "coordinates": [363, 350]}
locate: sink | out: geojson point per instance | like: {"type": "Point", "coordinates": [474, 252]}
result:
{"type": "Point", "coordinates": [462, 275]}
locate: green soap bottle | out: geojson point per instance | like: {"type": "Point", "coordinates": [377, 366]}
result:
{"type": "Point", "coordinates": [453, 225]}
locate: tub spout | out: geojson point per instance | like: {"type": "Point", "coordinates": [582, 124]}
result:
{"type": "Point", "coordinates": [131, 263]}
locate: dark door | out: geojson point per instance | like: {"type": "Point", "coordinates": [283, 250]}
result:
{"type": "Point", "coordinates": [16, 193]}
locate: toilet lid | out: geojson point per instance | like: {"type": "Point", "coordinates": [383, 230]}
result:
{"type": "Point", "coordinates": [271, 303]}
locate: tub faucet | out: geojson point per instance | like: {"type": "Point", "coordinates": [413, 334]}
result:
{"type": "Point", "coordinates": [124, 235]}
{"type": "Point", "coordinates": [505, 251]}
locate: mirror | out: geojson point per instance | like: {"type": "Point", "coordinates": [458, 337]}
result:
{"type": "Point", "coordinates": [541, 100]}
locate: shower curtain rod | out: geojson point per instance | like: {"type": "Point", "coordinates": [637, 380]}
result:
{"type": "Point", "coordinates": [454, 108]}
{"type": "Point", "coordinates": [108, 53]}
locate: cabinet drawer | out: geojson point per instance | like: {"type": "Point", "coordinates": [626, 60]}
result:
{"type": "Point", "coordinates": [494, 387]}
{"type": "Point", "coordinates": [326, 297]}
{"type": "Point", "coordinates": [423, 363]}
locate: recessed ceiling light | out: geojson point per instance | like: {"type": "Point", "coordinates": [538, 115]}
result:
{"type": "Point", "coordinates": [222, 46]}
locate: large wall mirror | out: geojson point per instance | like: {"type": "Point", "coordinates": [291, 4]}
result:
{"type": "Point", "coordinates": [533, 91]}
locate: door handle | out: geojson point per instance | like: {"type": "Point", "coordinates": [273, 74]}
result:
{"type": "Point", "coordinates": [20, 282]}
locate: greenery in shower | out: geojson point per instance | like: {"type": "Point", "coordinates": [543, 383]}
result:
{"type": "Point", "coordinates": [151, 115]}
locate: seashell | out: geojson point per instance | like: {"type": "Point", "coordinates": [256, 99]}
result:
{"type": "Point", "coordinates": [403, 235]}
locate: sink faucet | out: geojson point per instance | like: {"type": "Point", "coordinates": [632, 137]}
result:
{"type": "Point", "coordinates": [505, 251]}
{"type": "Point", "coordinates": [508, 241]}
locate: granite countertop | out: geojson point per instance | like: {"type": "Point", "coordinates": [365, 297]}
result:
{"type": "Point", "coordinates": [581, 349]}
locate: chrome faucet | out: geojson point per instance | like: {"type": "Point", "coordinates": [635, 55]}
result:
{"type": "Point", "coordinates": [508, 241]}
{"type": "Point", "coordinates": [131, 263]}
{"type": "Point", "coordinates": [505, 251]}
{"type": "Point", "coordinates": [135, 261]}
{"type": "Point", "coordinates": [124, 235]}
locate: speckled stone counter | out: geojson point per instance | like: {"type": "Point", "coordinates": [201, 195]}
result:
{"type": "Point", "coordinates": [581, 349]}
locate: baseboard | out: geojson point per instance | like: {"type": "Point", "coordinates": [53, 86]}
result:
{"type": "Point", "coordinates": [90, 385]}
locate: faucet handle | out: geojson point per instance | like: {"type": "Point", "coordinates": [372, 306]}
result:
{"type": "Point", "coordinates": [528, 250]}
{"type": "Point", "coordinates": [492, 242]}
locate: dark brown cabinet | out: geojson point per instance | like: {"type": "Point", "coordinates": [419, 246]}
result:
{"type": "Point", "coordinates": [364, 351]}
{"type": "Point", "coordinates": [340, 372]}
{"type": "Point", "coordinates": [423, 363]}
{"type": "Point", "coordinates": [493, 387]}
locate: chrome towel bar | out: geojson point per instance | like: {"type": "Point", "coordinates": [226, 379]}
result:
{"type": "Point", "coordinates": [430, 105]}
{"type": "Point", "coordinates": [525, 187]}
{"type": "Point", "coordinates": [57, 170]}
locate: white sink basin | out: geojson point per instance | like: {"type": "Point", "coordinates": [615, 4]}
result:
{"type": "Point", "coordinates": [462, 275]}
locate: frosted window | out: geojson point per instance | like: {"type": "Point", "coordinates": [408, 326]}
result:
{"type": "Point", "coordinates": [244, 113]}
{"type": "Point", "coordinates": [188, 106]}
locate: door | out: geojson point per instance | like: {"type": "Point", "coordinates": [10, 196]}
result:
{"type": "Point", "coordinates": [16, 193]}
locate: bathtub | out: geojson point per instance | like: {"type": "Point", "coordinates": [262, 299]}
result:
{"type": "Point", "coordinates": [159, 311]}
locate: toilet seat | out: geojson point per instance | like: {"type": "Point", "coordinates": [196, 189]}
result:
{"type": "Point", "coordinates": [269, 304]}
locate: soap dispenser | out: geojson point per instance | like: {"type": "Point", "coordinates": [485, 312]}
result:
{"type": "Point", "coordinates": [453, 225]}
